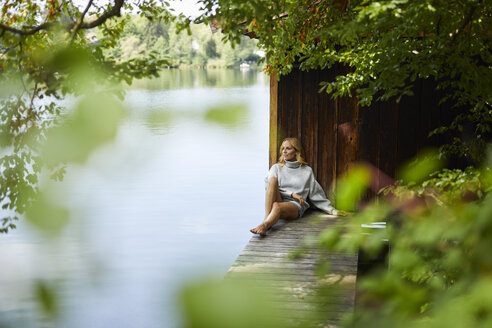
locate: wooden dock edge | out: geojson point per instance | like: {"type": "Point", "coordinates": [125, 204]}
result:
{"type": "Point", "coordinates": [300, 292]}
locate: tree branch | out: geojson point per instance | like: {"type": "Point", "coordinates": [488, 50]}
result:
{"type": "Point", "coordinates": [31, 31]}
{"type": "Point", "coordinates": [34, 93]}
{"type": "Point", "coordinates": [114, 11]}
{"type": "Point", "coordinates": [81, 19]}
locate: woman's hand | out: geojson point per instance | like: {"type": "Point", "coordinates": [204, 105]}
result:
{"type": "Point", "coordinates": [298, 198]}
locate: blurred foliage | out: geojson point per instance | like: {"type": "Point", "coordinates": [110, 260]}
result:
{"type": "Point", "coordinates": [350, 187]}
{"type": "Point", "coordinates": [46, 215]}
{"type": "Point", "coordinates": [439, 229]}
{"type": "Point", "coordinates": [447, 185]}
{"type": "Point", "coordinates": [46, 295]}
{"type": "Point", "coordinates": [419, 169]}
{"type": "Point", "coordinates": [386, 46]}
{"type": "Point", "coordinates": [227, 115]}
{"type": "Point", "coordinates": [219, 303]}
{"type": "Point", "coordinates": [93, 122]}
{"type": "Point", "coordinates": [47, 57]}
{"type": "Point", "coordinates": [241, 300]}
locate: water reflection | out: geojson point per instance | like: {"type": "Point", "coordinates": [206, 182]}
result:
{"type": "Point", "coordinates": [230, 116]}
{"type": "Point", "coordinates": [172, 197]}
{"type": "Point", "coordinates": [171, 79]}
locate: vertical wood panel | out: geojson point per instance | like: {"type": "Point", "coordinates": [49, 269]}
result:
{"type": "Point", "coordinates": [347, 131]}
{"type": "Point", "coordinates": [369, 139]}
{"type": "Point", "coordinates": [298, 105]}
{"type": "Point", "coordinates": [430, 112]}
{"type": "Point", "coordinates": [369, 134]}
{"type": "Point", "coordinates": [282, 91]}
{"type": "Point", "coordinates": [274, 109]}
{"type": "Point", "coordinates": [309, 120]}
{"type": "Point", "coordinates": [428, 115]}
{"type": "Point", "coordinates": [327, 136]}
{"type": "Point", "coordinates": [388, 142]}
{"type": "Point", "coordinates": [408, 118]}
{"type": "Point", "coordinates": [347, 136]}
{"type": "Point", "coordinates": [280, 114]}
{"type": "Point", "coordinates": [424, 117]}
{"type": "Point", "coordinates": [291, 105]}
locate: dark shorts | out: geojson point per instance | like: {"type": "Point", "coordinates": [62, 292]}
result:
{"type": "Point", "coordinates": [300, 209]}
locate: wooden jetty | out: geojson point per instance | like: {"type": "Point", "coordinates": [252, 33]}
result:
{"type": "Point", "coordinates": [302, 292]}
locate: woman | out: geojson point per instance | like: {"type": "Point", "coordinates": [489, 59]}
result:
{"type": "Point", "coordinates": [290, 183]}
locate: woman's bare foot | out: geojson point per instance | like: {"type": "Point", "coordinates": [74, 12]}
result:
{"type": "Point", "coordinates": [260, 230]}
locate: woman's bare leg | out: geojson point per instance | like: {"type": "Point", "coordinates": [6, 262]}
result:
{"type": "Point", "coordinates": [280, 210]}
{"type": "Point", "coordinates": [272, 195]}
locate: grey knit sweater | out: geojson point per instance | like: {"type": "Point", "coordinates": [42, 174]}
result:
{"type": "Point", "coordinates": [296, 178]}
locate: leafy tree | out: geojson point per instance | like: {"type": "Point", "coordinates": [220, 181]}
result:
{"type": "Point", "coordinates": [211, 49]}
{"type": "Point", "coordinates": [200, 47]}
{"type": "Point", "coordinates": [386, 44]}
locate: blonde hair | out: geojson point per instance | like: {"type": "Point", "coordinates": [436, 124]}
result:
{"type": "Point", "coordinates": [296, 144]}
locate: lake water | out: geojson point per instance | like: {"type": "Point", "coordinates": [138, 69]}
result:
{"type": "Point", "coordinates": [171, 199]}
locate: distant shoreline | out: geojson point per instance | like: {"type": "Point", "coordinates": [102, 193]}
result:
{"type": "Point", "coordinates": [210, 66]}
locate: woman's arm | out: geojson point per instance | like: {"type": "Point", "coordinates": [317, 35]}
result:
{"type": "Point", "coordinates": [298, 198]}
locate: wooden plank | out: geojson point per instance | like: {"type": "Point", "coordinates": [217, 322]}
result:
{"type": "Point", "coordinates": [287, 266]}
{"type": "Point", "coordinates": [288, 249]}
{"type": "Point", "coordinates": [296, 282]}
{"type": "Point", "coordinates": [287, 274]}
{"type": "Point", "coordinates": [283, 253]}
{"type": "Point", "coordinates": [285, 262]}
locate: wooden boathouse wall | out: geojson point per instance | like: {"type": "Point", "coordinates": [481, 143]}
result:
{"type": "Point", "coordinates": [337, 132]}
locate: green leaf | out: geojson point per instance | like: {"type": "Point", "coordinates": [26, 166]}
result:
{"type": "Point", "coordinates": [47, 297]}
{"type": "Point", "coordinates": [229, 303]}
{"type": "Point", "coordinates": [351, 187]}
{"type": "Point", "coordinates": [47, 216]}
{"type": "Point", "coordinates": [95, 122]}
{"type": "Point", "coordinates": [421, 167]}
{"type": "Point", "coordinates": [227, 115]}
